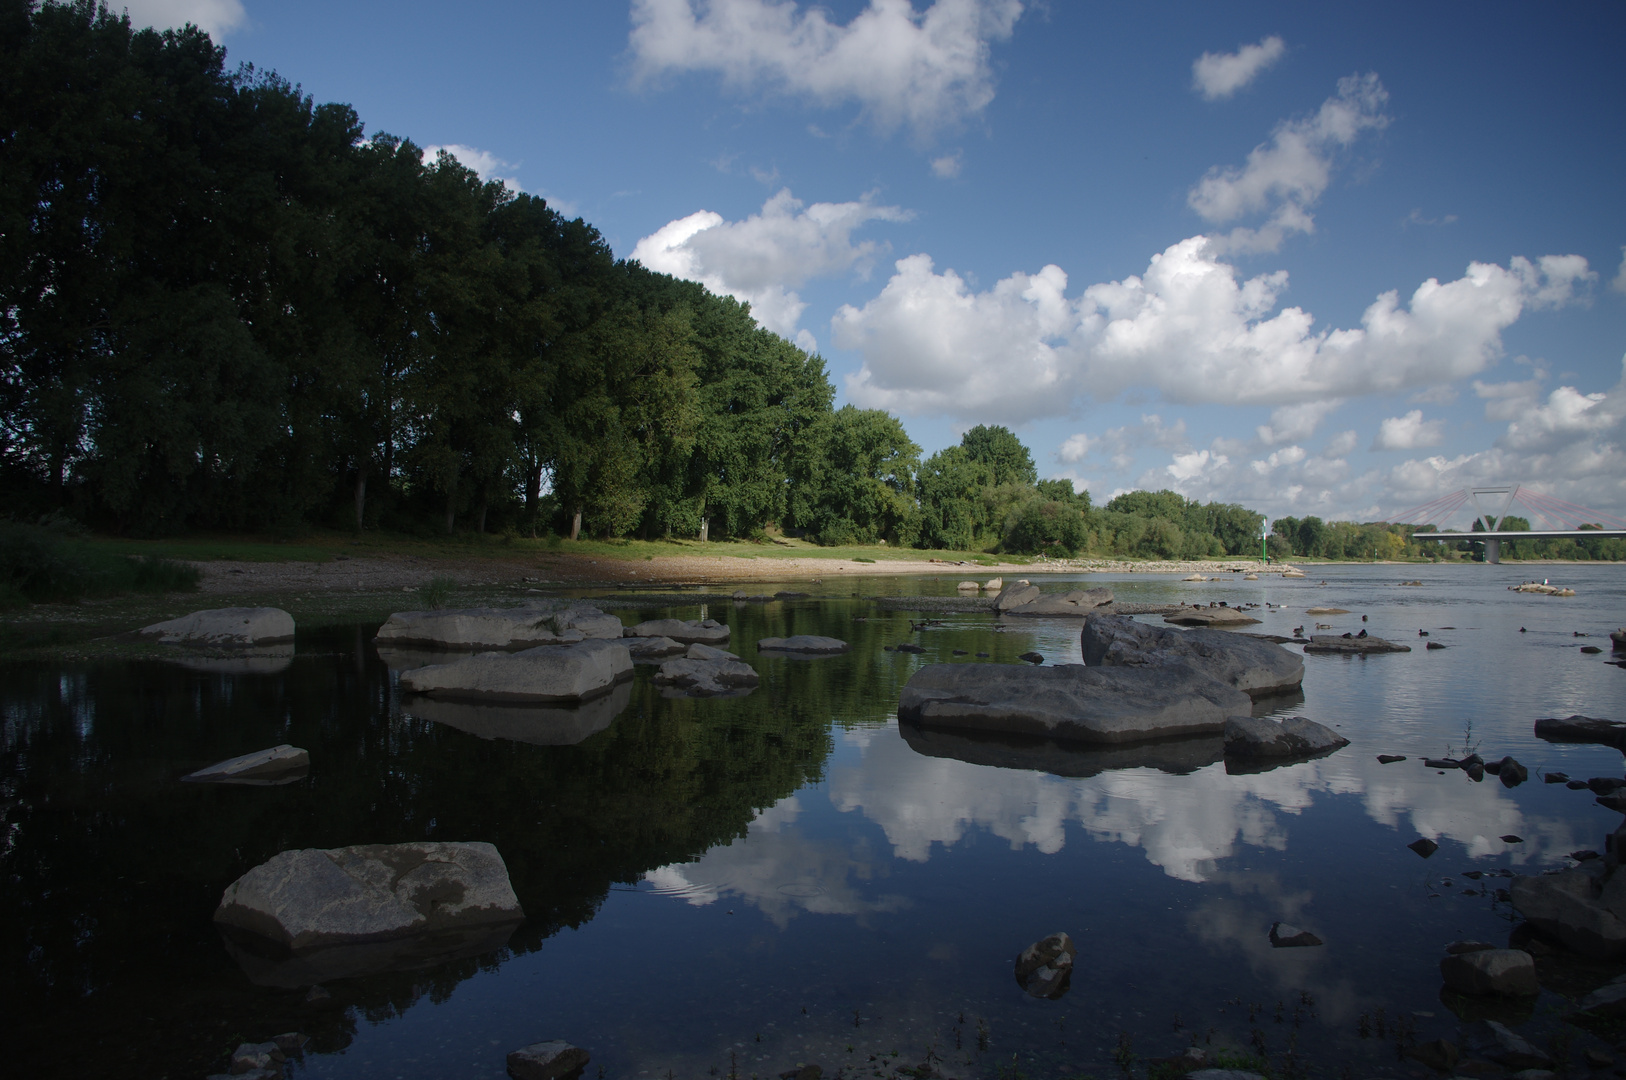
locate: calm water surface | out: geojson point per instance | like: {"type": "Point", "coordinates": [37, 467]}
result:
{"type": "Point", "coordinates": [756, 882]}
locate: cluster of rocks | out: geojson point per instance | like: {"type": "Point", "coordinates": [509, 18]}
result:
{"type": "Point", "coordinates": [1020, 598]}
{"type": "Point", "coordinates": [1138, 682]}
{"type": "Point", "coordinates": [1542, 588]}
{"type": "Point", "coordinates": [703, 671]}
{"type": "Point", "coordinates": [992, 585]}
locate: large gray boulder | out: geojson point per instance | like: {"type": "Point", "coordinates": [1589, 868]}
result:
{"type": "Point", "coordinates": [546, 673]}
{"type": "Point", "coordinates": [311, 898]}
{"type": "Point", "coordinates": [540, 622]}
{"type": "Point", "coordinates": [232, 628]}
{"type": "Point", "coordinates": [1294, 737]}
{"type": "Point", "coordinates": [1070, 702]}
{"type": "Point", "coordinates": [1252, 665]}
{"type": "Point", "coordinates": [805, 644]}
{"type": "Point", "coordinates": [1015, 595]}
{"type": "Point", "coordinates": [538, 725]}
{"type": "Point", "coordinates": [1577, 909]}
{"type": "Point", "coordinates": [278, 765]}
{"type": "Point", "coordinates": [1077, 604]}
{"type": "Point", "coordinates": [688, 632]}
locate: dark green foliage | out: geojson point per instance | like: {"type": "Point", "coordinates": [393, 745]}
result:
{"type": "Point", "coordinates": [44, 565]}
{"type": "Point", "coordinates": [1003, 453]}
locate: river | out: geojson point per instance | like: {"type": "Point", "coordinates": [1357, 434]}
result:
{"type": "Point", "coordinates": [741, 885]}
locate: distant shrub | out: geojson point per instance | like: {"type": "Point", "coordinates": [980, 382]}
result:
{"type": "Point", "coordinates": [44, 565]}
{"type": "Point", "coordinates": [435, 592]}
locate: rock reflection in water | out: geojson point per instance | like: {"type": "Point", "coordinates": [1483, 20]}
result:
{"type": "Point", "coordinates": [267, 964]}
{"type": "Point", "coordinates": [267, 660]}
{"type": "Point", "coordinates": [1064, 759]}
{"type": "Point", "coordinates": [538, 725]}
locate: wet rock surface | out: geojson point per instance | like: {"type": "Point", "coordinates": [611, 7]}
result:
{"type": "Point", "coordinates": [1583, 729]}
{"type": "Point", "coordinates": [704, 671]}
{"type": "Point", "coordinates": [1210, 616]}
{"type": "Point", "coordinates": [539, 622]}
{"type": "Point", "coordinates": [1045, 968]}
{"type": "Point", "coordinates": [1255, 667]}
{"type": "Point", "coordinates": [546, 1060]}
{"type": "Point", "coordinates": [1070, 702]}
{"type": "Point", "coordinates": [1075, 605]}
{"type": "Point", "coordinates": [686, 632]}
{"type": "Point", "coordinates": [1294, 737]}
{"type": "Point", "coordinates": [547, 673]}
{"type": "Point", "coordinates": [278, 765]}
{"type": "Point", "coordinates": [1488, 971]}
{"type": "Point", "coordinates": [1360, 646]}
{"type": "Point", "coordinates": [806, 644]}
{"type": "Point", "coordinates": [232, 627]}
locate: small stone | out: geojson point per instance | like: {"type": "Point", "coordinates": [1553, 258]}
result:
{"type": "Point", "coordinates": [1424, 846]}
{"type": "Point", "coordinates": [982, 656]}
{"type": "Point", "coordinates": [1575, 785]}
{"type": "Point", "coordinates": [546, 1060]}
{"type": "Point", "coordinates": [1589, 649]}
{"type": "Point", "coordinates": [1584, 855]}
{"type": "Point", "coordinates": [1045, 968]}
{"type": "Point", "coordinates": [1475, 771]}
{"type": "Point", "coordinates": [960, 652]}
{"type": "Point", "coordinates": [1510, 772]}
{"type": "Point", "coordinates": [1556, 778]}
{"type": "Point", "coordinates": [1283, 936]}
{"type": "Point", "coordinates": [1433, 646]}
{"type": "Point", "coordinates": [909, 647]}
{"type": "Point", "coordinates": [1442, 763]}
{"type": "Point", "coordinates": [1032, 658]}
{"type": "Point", "coordinates": [1390, 759]}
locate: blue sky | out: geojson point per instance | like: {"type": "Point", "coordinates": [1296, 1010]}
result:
{"type": "Point", "coordinates": [1319, 262]}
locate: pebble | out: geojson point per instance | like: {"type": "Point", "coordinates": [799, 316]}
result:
{"type": "Point", "coordinates": [1390, 759]}
{"type": "Point", "coordinates": [1424, 846]}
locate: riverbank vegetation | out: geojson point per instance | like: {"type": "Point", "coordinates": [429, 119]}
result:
{"type": "Point", "coordinates": [226, 308]}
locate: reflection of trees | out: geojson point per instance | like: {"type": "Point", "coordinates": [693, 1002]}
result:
{"type": "Point", "coordinates": [114, 869]}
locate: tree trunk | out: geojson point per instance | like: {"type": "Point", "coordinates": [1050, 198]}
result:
{"type": "Point", "coordinates": [361, 494]}
{"type": "Point", "coordinates": [576, 524]}
{"type": "Point", "coordinates": [705, 529]}
{"type": "Point", "coordinates": [483, 507]}
{"type": "Point", "coordinates": [451, 503]}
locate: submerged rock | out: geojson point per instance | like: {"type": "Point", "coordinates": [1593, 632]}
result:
{"type": "Point", "coordinates": [279, 765]}
{"type": "Point", "coordinates": [1333, 643]}
{"type": "Point", "coordinates": [1295, 737]}
{"type": "Point", "coordinates": [546, 1061]}
{"type": "Point", "coordinates": [1487, 971]}
{"type": "Point", "coordinates": [688, 632]}
{"type": "Point", "coordinates": [541, 622]}
{"type": "Point", "coordinates": [1575, 909]}
{"type": "Point", "coordinates": [311, 898]}
{"type": "Point", "coordinates": [547, 673]}
{"type": "Point", "coordinates": [232, 627]}
{"type": "Point", "coordinates": [807, 644]}
{"type": "Point", "coordinates": [1257, 668]}
{"type": "Point", "coordinates": [1045, 968]}
{"type": "Point", "coordinates": [1070, 702]}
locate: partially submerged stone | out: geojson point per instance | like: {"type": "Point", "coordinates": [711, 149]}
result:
{"type": "Point", "coordinates": [1264, 738]}
{"type": "Point", "coordinates": [1575, 909]}
{"type": "Point", "coordinates": [312, 898]}
{"type": "Point", "coordinates": [1072, 605]}
{"type": "Point", "coordinates": [707, 672]}
{"type": "Point", "coordinates": [546, 1061]}
{"type": "Point", "coordinates": [546, 673]}
{"type": "Point", "coordinates": [1583, 729]}
{"type": "Point", "coordinates": [1210, 616]}
{"type": "Point", "coordinates": [1333, 643]}
{"type": "Point", "coordinates": [1257, 668]}
{"type": "Point", "coordinates": [1015, 594]}
{"type": "Point", "coordinates": [652, 650]}
{"type": "Point", "coordinates": [540, 622]}
{"type": "Point", "coordinates": [537, 725]}
{"type": "Point", "coordinates": [1480, 972]}
{"type": "Point", "coordinates": [282, 764]}
{"type": "Point", "coordinates": [688, 632]}
{"type": "Point", "coordinates": [806, 644]}
{"type": "Point", "coordinates": [1070, 702]}
{"type": "Point", "coordinates": [1045, 968]}
{"type": "Point", "coordinates": [232, 627]}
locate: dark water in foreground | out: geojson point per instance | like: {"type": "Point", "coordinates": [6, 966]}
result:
{"type": "Point", "coordinates": [756, 882]}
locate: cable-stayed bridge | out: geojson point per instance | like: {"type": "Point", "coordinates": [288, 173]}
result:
{"type": "Point", "coordinates": [1560, 518]}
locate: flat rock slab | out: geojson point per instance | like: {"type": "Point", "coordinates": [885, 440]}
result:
{"type": "Point", "coordinates": [688, 632]}
{"type": "Point", "coordinates": [537, 725]}
{"type": "Point", "coordinates": [1583, 729]}
{"type": "Point", "coordinates": [1214, 616]}
{"type": "Point", "coordinates": [1070, 702]}
{"type": "Point", "coordinates": [232, 627]}
{"type": "Point", "coordinates": [279, 765]}
{"type": "Point", "coordinates": [1257, 668]}
{"type": "Point", "coordinates": [1326, 611]}
{"type": "Point", "coordinates": [542, 622]}
{"type": "Point", "coordinates": [1263, 738]}
{"type": "Point", "coordinates": [312, 898]}
{"type": "Point", "coordinates": [547, 673]}
{"type": "Point", "coordinates": [1073, 605]}
{"type": "Point", "coordinates": [1573, 908]}
{"type": "Point", "coordinates": [1333, 643]}
{"type": "Point", "coordinates": [1176, 756]}
{"type": "Point", "coordinates": [546, 1061]}
{"type": "Point", "coordinates": [807, 644]}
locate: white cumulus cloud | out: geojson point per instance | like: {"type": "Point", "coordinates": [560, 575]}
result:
{"type": "Point", "coordinates": [1219, 75]}
{"type": "Point", "coordinates": [948, 166]}
{"type": "Point", "coordinates": [1409, 432]}
{"type": "Point", "coordinates": [1190, 328]}
{"type": "Point", "coordinates": [1287, 175]}
{"type": "Point", "coordinates": [216, 18]}
{"type": "Point", "coordinates": [925, 69]}
{"type": "Point", "coordinates": [1290, 423]}
{"type": "Point", "coordinates": [1619, 284]}
{"type": "Point", "coordinates": [763, 258]}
